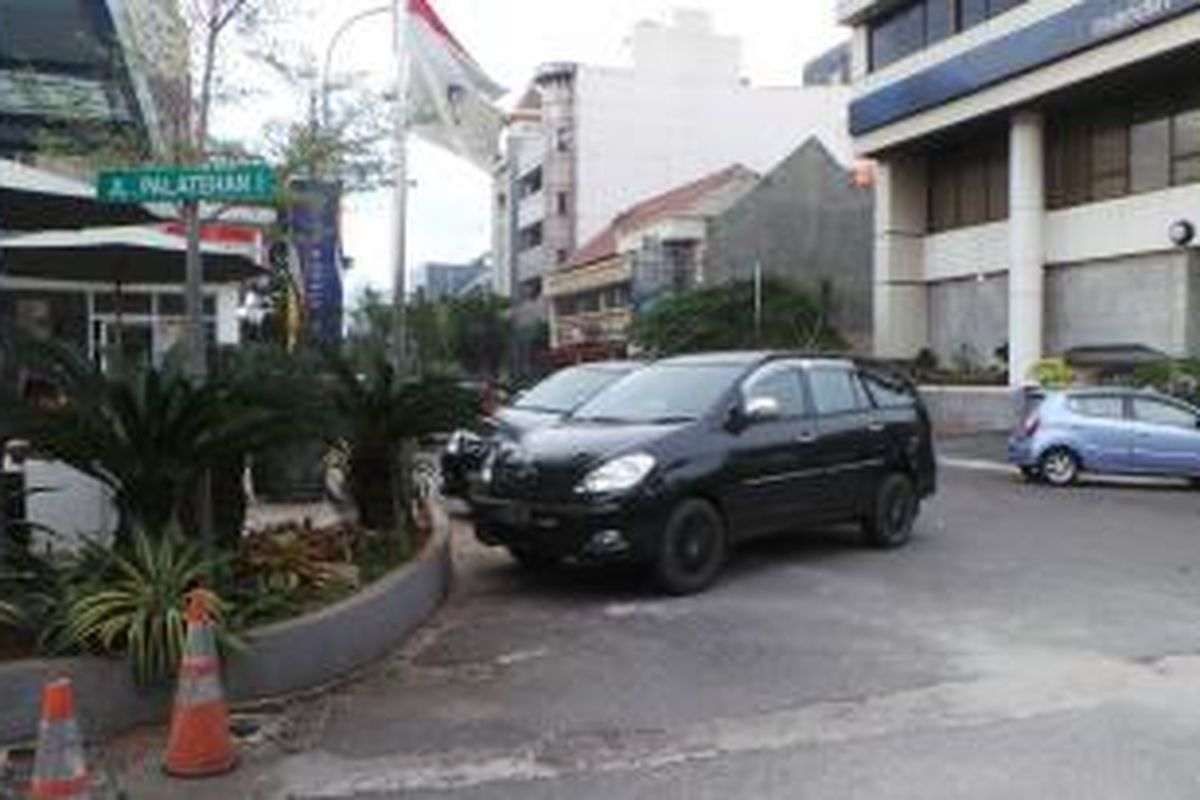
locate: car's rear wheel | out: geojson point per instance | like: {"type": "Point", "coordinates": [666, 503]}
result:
{"type": "Point", "coordinates": [1058, 466]}
{"type": "Point", "coordinates": [533, 560]}
{"type": "Point", "coordinates": [692, 549]}
{"type": "Point", "coordinates": [889, 522]}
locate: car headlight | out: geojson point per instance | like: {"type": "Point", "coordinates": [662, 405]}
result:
{"type": "Point", "coordinates": [488, 468]}
{"type": "Point", "coordinates": [618, 475]}
{"type": "Point", "coordinates": [454, 445]}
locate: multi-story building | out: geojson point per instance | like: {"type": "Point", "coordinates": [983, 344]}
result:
{"type": "Point", "coordinates": [68, 67]}
{"type": "Point", "coordinates": [1038, 177]}
{"type": "Point", "coordinates": [438, 280]}
{"type": "Point", "coordinates": [654, 246]}
{"type": "Point", "coordinates": [586, 142]}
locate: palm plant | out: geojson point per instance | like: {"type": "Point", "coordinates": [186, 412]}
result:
{"type": "Point", "coordinates": [149, 435]}
{"type": "Point", "coordinates": [375, 410]}
{"type": "Point", "coordinates": [137, 607]}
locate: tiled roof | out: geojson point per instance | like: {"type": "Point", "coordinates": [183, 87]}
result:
{"type": "Point", "coordinates": [682, 200]}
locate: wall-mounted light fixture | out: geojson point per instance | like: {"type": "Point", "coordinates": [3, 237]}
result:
{"type": "Point", "coordinates": [1182, 233]}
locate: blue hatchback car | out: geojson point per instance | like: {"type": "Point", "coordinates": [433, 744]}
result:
{"type": "Point", "coordinates": [1106, 430]}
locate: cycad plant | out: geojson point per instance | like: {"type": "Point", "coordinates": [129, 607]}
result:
{"type": "Point", "coordinates": [137, 606]}
{"type": "Point", "coordinates": [374, 412]}
{"type": "Point", "coordinates": [148, 434]}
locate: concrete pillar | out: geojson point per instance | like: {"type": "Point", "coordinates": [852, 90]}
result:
{"type": "Point", "coordinates": [1026, 244]}
{"type": "Point", "coordinates": [900, 294]}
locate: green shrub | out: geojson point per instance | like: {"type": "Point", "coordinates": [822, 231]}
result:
{"type": "Point", "coordinates": [1052, 373]}
{"type": "Point", "coordinates": [135, 604]}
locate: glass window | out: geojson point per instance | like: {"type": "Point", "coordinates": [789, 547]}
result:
{"type": "Point", "coordinates": [782, 384]}
{"type": "Point", "coordinates": [972, 192]}
{"type": "Point", "coordinates": [1000, 6]}
{"type": "Point", "coordinates": [997, 184]}
{"type": "Point", "coordinates": [885, 393]}
{"type": "Point", "coordinates": [1109, 154]}
{"type": "Point", "coordinates": [972, 12]}
{"type": "Point", "coordinates": [662, 393]}
{"type": "Point", "coordinates": [1150, 155]}
{"type": "Point", "coordinates": [940, 20]}
{"type": "Point", "coordinates": [1106, 407]}
{"type": "Point", "coordinates": [567, 389]}
{"type": "Point", "coordinates": [898, 35]}
{"type": "Point", "coordinates": [1186, 147]}
{"type": "Point", "coordinates": [835, 391]}
{"type": "Point", "coordinates": [943, 198]}
{"type": "Point", "coordinates": [1157, 412]}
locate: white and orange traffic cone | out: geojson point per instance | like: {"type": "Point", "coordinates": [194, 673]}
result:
{"type": "Point", "coordinates": [59, 768]}
{"type": "Point", "coordinates": [200, 743]}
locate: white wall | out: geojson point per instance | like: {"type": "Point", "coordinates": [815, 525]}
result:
{"type": "Point", "coordinates": [73, 505]}
{"type": "Point", "coordinates": [638, 137]}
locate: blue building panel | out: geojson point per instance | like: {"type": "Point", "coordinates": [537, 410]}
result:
{"type": "Point", "coordinates": [1079, 28]}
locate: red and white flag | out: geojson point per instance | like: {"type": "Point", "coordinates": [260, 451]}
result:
{"type": "Point", "coordinates": [451, 97]}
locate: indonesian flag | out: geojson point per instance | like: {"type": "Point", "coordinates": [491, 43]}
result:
{"type": "Point", "coordinates": [451, 98]}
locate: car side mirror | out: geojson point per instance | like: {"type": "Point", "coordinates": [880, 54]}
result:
{"type": "Point", "coordinates": [759, 409]}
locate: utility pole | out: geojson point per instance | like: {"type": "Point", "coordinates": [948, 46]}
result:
{"type": "Point", "coordinates": [400, 196]}
{"type": "Point", "coordinates": [195, 346]}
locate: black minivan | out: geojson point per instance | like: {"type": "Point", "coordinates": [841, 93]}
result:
{"type": "Point", "coordinates": [676, 463]}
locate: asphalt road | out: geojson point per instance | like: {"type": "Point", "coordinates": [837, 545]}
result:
{"type": "Point", "coordinates": [1029, 643]}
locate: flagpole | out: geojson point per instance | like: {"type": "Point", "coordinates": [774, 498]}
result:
{"type": "Point", "coordinates": [400, 196]}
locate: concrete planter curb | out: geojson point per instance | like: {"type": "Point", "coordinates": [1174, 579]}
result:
{"type": "Point", "coordinates": [284, 657]}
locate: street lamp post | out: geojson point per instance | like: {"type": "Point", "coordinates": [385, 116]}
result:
{"type": "Point", "coordinates": [329, 48]}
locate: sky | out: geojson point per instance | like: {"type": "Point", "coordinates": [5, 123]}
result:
{"type": "Point", "coordinates": [448, 208]}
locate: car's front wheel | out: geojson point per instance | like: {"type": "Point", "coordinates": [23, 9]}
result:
{"type": "Point", "coordinates": [692, 549]}
{"type": "Point", "coordinates": [1058, 466]}
{"type": "Point", "coordinates": [889, 522]}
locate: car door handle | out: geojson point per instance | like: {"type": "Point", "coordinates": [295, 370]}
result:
{"type": "Point", "coordinates": [875, 427]}
{"type": "Point", "coordinates": [808, 437]}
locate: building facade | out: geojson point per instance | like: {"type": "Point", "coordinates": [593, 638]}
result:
{"type": "Point", "coordinates": [442, 281]}
{"type": "Point", "coordinates": [808, 224]}
{"type": "Point", "coordinates": [1038, 177]}
{"type": "Point", "coordinates": [586, 142]}
{"type": "Point", "coordinates": [652, 248]}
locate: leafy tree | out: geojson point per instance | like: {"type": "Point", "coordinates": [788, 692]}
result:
{"type": "Point", "coordinates": [722, 318]}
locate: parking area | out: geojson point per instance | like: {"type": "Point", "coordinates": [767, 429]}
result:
{"type": "Point", "coordinates": [1028, 643]}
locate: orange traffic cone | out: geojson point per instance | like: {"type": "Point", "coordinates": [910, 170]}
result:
{"type": "Point", "coordinates": [200, 743]}
{"type": "Point", "coordinates": [59, 770]}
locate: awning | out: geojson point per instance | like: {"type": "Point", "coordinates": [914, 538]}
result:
{"type": "Point", "coordinates": [121, 254]}
{"type": "Point", "coordinates": [36, 200]}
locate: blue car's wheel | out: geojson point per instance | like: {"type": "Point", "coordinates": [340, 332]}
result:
{"type": "Point", "coordinates": [1058, 466]}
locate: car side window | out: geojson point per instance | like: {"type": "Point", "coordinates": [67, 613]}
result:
{"type": "Point", "coordinates": [1157, 412]}
{"type": "Point", "coordinates": [836, 390]}
{"type": "Point", "coordinates": [1104, 407]}
{"type": "Point", "coordinates": [780, 383]}
{"type": "Point", "coordinates": [885, 393]}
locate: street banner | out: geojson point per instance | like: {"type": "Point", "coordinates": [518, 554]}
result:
{"type": "Point", "coordinates": [313, 217]}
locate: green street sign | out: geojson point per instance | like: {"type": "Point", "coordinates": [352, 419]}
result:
{"type": "Point", "coordinates": [239, 183]}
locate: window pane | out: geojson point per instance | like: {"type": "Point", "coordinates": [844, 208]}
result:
{"type": "Point", "coordinates": [1000, 6]}
{"type": "Point", "coordinates": [1106, 407]}
{"type": "Point", "coordinates": [1076, 186]}
{"type": "Point", "coordinates": [898, 35]}
{"type": "Point", "coordinates": [1158, 413]}
{"type": "Point", "coordinates": [834, 390]}
{"type": "Point", "coordinates": [886, 394]}
{"type": "Point", "coordinates": [939, 20]}
{"type": "Point", "coordinates": [1150, 155]}
{"type": "Point", "coordinates": [781, 384]}
{"type": "Point", "coordinates": [997, 184]}
{"type": "Point", "coordinates": [973, 12]}
{"type": "Point", "coordinates": [1187, 133]}
{"type": "Point", "coordinates": [972, 192]}
{"type": "Point", "coordinates": [943, 196]}
{"type": "Point", "coordinates": [1187, 170]}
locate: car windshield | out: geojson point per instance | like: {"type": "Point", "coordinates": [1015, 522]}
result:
{"type": "Point", "coordinates": [563, 391]}
{"type": "Point", "coordinates": [661, 394]}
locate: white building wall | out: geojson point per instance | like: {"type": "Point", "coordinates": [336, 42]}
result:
{"type": "Point", "coordinates": [638, 137]}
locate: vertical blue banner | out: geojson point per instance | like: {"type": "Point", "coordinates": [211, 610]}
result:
{"type": "Point", "coordinates": [313, 222]}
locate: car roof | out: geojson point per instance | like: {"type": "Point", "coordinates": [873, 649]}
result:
{"type": "Point", "coordinates": [747, 358]}
{"type": "Point", "coordinates": [610, 366]}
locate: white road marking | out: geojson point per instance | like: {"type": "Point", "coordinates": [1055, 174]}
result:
{"type": "Point", "coordinates": [977, 464]}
